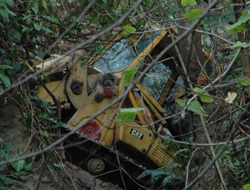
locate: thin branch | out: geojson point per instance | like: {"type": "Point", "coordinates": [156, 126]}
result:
{"type": "Point", "coordinates": [217, 79]}
{"type": "Point", "coordinates": [235, 127]}
{"type": "Point", "coordinates": [71, 26]}
{"type": "Point", "coordinates": [208, 33]}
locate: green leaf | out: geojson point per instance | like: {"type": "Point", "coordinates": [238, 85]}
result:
{"type": "Point", "coordinates": [28, 167]}
{"type": "Point", "coordinates": [11, 12]}
{"type": "Point", "coordinates": [5, 79]}
{"type": "Point", "coordinates": [205, 96]}
{"type": "Point", "coordinates": [45, 134]}
{"type": "Point", "coordinates": [51, 111]}
{"type": "Point", "coordinates": [127, 114]}
{"type": "Point", "coordinates": [10, 2]}
{"type": "Point", "coordinates": [2, 151]}
{"type": "Point", "coordinates": [46, 78]}
{"type": "Point", "coordinates": [37, 26]}
{"type": "Point", "coordinates": [25, 17]}
{"type": "Point", "coordinates": [59, 165]}
{"type": "Point", "coordinates": [128, 29]}
{"type": "Point", "coordinates": [239, 44]}
{"type": "Point", "coordinates": [42, 115]}
{"type": "Point", "coordinates": [240, 25]}
{"type": "Point", "coordinates": [193, 14]}
{"type": "Point", "coordinates": [4, 13]}
{"type": "Point", "coordinates": [83, 63]}
{"type": "Point", "coordinates": [9, 148]}
{"type": "Point", "coordinates": [8, 181]}
{"type": "Point", "coordinates": [36, 7]}
{"type": "Point", "coordinates": [246, 187]}
{"type": "Point", "coordinates": [236, 29]}
{"type": "Point", "coordinates": [2, 177]}
{"type": "Point", "coordinates": [181, 102]}
{"type": "Point", "coordinates": [45, 104]}
{"type": "Point", "coordinates": [196, 108]}
{"type": "Point", "coordinates": [188, 3]}
{"type": "Point", "coordinates": [18, 165]}
{"type": "Point", "coordinates": [16, 34]}
{"type": "Point", "coordinates": [1, 140]}
{"type": "Point", "coordinates": [47, 29]}
{"type": "Point", "coordinates": [59, 124]}
{"type": "Point", "coordinates": [245, 81]}
{"type": "Point", "coordinates": [50, 18]}
{"type": "Point", "coordinates": [128, 77]}
{"type": "Point", "coordinates": [44, 4]}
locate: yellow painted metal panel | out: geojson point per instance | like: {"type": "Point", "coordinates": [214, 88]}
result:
{"type": "Point", "coordinates": [148, 49]}
{"type": "Point", "coordinates": [56, 88]}
{"type": "Point", "coordinates": [158, 107]}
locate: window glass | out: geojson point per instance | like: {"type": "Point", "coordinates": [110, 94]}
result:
{"type": "Point", "coordinates": [156, 79]}
{"type": "Point", "coordinates": [178, 87]}
{"type": "Point", "coordinates": [122, 54]}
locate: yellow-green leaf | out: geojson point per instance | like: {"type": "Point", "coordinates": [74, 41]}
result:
{"type": "Point", "coordinates": [245, 81]}
{"type": "Point", "coordinates": [127, 114]}
{"type": "Point", "coordinates": [204, 96]}
{"type": "Point", "coordinates": [239, 44]}
{"type": "Point", "coordinates": [240, 25]}
{"type": "Point", "coordinates": [128, 77]}
{"type": "Point", "coordinates": [193, 14]}
{"type": "Point", "coordinates": [188, 3]}
{"type": "Point", "coordinates": [128, 29]}
{"type": "Point", "coordinates": [246, 187]}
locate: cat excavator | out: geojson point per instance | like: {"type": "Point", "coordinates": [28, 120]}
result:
{"type": "Point", "coordinates": [84, 87]}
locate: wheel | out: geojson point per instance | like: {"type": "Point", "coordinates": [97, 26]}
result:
{"type": "Point", "coordinates": [95, 166]}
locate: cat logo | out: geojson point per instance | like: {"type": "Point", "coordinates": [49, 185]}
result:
{"type": "Point", "coordinates": [137, 134]}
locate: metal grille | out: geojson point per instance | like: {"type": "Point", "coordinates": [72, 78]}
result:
{"type": "Point", "coordinates": [161, 155]}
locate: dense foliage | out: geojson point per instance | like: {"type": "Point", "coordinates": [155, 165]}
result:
{"type": "Point", "coordinates": [217, 89]}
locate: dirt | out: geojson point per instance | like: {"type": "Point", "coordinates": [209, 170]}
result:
{"type": "Point", "coordinates": [44, 175]}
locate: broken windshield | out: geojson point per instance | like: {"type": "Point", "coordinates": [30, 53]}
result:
{"type": "Point", "coordinates": [122, 54]}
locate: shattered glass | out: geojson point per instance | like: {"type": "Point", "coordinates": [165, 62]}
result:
{"type": "Point", "coordinates": [122, 54]}
{"type": "Point", "coordinates": [156, 80]}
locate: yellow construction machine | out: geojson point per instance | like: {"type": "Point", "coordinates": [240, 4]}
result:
{"type": "Point", "coordinates": [84, 89]}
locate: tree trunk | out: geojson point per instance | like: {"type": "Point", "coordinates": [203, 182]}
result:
{"type": "Point", "coordinates": [241, 37]}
